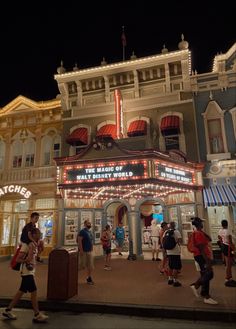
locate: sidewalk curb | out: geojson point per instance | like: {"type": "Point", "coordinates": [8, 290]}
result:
{"type": "Point", "coordinates": [154, 311]}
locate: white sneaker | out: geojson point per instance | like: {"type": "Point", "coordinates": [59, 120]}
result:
{"type": "Point", "coordinates": [210, 301]}
{"type": "Point", "coordinates": [194, 290]}
{"type": "Point", "coordinates": [40, 318]}
{"type": "Point", "coordinates": [9, 315]}
{"type": "Point", "coordinates": [107, 268]}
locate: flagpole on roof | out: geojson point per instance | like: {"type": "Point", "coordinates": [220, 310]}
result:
{"type": "Point", "coordinates": [123, 40]}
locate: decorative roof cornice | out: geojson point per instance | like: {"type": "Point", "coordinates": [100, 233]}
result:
{"type": "Point", "coordinates": [21, 100]}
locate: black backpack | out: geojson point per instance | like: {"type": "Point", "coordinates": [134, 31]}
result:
{"type": "Point", "coordinates": [168, 241]}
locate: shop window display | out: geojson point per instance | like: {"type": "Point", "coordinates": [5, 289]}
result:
{"type": "Point", "coordinates": [6, 230]}
{"type": "Point", "coordinates": [186, 212]}
{"type": "Point", "coordinates": [71, 227]}
{"type": "Point", "coordinates": [215, 216]}
{"type": "Point", "coordinates": [45, 224]}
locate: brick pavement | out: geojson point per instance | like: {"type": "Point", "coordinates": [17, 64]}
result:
{"type": "Point", "coordinates": [132, 287]}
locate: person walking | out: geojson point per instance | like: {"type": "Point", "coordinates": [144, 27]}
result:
{"type": "Point", "coordinates": [155, 238]}
{"type": "Point", "coordinates": [173, 255]}
{"type": "Point", "coordinates": [85, 246]}
{"type": "Point", "coordinates": [228, 248]}
{"type": "Point", "coordinates": [27, 258]}
{"type": "Point", "coordinates": [164, 263]}
{"type": "Point", "coordinates": [106, 244]}
{"type": "Point", "coordinates": [203, 256]}
{"type": "Point", "coordinates": [120, 237]}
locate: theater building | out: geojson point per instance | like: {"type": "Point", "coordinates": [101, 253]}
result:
{"type": "Point", "coordinates": [129, 146]}
{"type": "Point", "coordinates": [113, 185]}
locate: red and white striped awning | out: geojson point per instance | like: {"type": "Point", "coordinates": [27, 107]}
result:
{"type": "Point", "coordinates": [170, 125]}
{"type": "Point", "coordinates": [78, 137]}
{"type": "Point", "coordinates": [107, 131]}
{"type": "Point", "coordinates": [218, 195]}
{"type": "Point", "coordinates": [137, 128]}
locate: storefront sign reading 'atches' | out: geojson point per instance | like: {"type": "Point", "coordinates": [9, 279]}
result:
{"type": "Point", "coordinates": [15, 189]}
{"type": "Point", "coordinates": [108, 172]}
{"type": "Point", "coordinates": [174, 174]}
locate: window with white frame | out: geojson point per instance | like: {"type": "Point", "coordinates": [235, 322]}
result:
{"type": "Point", "coordinates": [216, 142]}
{"type": "Point", "coordinates": [46, 150]}
{"type": "Point", "coordinates": [29, 152]}
{"type": "Point", "coordinates": [215, 136]}
{"type": "Point", "coordinates": [51, 148]}
{"type": "Point", "coordinates": [17, 154]}
{"type": "Point", "coordinates": [171, 132]}
{"type": "Point", "coordinates": [2, 154]}
{"type": "Point", "coordinates": [172, 142]}
{"type": "Point", "coordinates": [57, 147]}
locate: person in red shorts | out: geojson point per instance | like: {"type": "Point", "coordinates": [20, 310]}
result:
{"type": "Point", "coordinates": [203, 256]}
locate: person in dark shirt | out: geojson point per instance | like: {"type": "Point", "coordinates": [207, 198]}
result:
{"type": "Point", "coordinates": [26, 236]}
{"type": "Point", "coordinates": [85, 246]}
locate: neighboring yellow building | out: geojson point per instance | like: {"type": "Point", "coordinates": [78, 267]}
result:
{"type": "Point", "coordinates": [30, 137]}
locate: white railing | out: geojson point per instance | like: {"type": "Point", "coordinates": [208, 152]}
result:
{"type": "Point", "coordinates": [36, 174]}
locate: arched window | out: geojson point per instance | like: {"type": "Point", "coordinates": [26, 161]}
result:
{"type": "Point", "coordinates": [29, 152]}
{"type": "Point", "coordinates": [57, 147]}
{"type": "Point", "coordinates": [17, 154]}
{"type": "Point", "coordinates": [216, 142]}
{"type": "Point", "coordinates": [2, 154]}
{"type": "Point", "coordinates": [171, 132]}
{"type": "Point", "coordinates": [46, 150]}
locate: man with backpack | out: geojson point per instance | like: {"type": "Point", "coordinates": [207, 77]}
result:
{"type": "Point", "coordinates": [120, 237]}
{"type": "Point", "coordinates": [171, 243]}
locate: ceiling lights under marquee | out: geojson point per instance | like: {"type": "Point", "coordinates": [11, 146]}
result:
{"type": "Point", "coordinates": [137, 191]}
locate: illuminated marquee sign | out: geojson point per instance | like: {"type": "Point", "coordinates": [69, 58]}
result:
{"type": "Point", "coordinates": [106, 172]}
{"type": "Point", "coordinates": [15, 189]}
{"type": "Point", "coordinates": [167, 172]}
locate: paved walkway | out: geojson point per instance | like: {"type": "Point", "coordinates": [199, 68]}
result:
{"type": "Point", "coordinates": [132, 287]}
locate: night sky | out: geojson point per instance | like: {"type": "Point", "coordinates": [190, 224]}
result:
{"type": "Point", "coordinates": [36, 37]}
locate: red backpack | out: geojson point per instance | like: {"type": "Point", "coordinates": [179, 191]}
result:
{"type": "Point", "coordinates": [14, 264]}
{"type": "Point", "coordinates": [191, 244]}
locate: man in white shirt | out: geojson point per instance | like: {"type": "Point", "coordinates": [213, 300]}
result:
{"type": "Point", "coordinates": [225, 236]}
{"type": "Point", "coordinates": [155, 236]}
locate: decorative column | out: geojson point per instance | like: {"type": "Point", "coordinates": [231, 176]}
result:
{"type": "Point", "coordinates": [135, 248]}
{"type": "Point", "coordinates": [79, 93]}
{"type": "Point", "coordinates": [167, 76]}
{"type": "Point", "coordinates": [60, 224]}
{"type": "Point", "coordinates": [107, 89]}
{"type": "Point", "coordinates": [136, 84]}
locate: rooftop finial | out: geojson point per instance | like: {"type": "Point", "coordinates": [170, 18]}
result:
{"type": "Point", "coordinates": [103, 62]}
{"type": "Point", "coordinates": [75, 68]}
{"type": "Point", "coordinates": [183, 44]}
{"type": "Point", "coordinates": [61, 69]}
{"type": "Point", "coordinates": [164, 49]}
{"type": "Point", "coordinates": [133, 56]}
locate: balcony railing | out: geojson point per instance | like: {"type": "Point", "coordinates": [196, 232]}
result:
{"type": "Point", "coordinates": [26, 175]}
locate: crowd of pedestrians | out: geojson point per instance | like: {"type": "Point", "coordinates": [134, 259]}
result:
{"type": "Point", "coordinates": [170, 265]}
